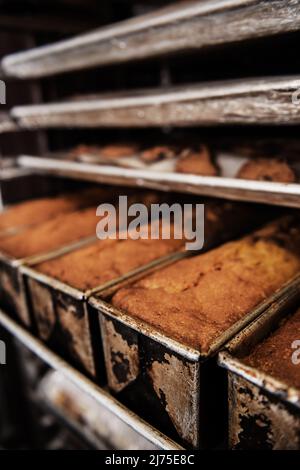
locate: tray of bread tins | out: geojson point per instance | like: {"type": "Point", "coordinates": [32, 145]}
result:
{"type": "Point", "coordinates": [58, 288]}
{"type": "Point", "coordinates": [263, 367]}
{"type": "Point", "coordinates": [161, 334]}
{"type": "Point", "coordinates": [40, 229]}
{"type": "Point", "coordinates": [88, 388]}
{"type": "Point", "coordinates": [195, 170]}
{"type": "Point", "coordinates": [182, 26]}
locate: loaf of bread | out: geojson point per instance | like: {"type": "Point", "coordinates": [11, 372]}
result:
{"type": "Point", "coordinates": [61, 230]}
{"type": "Point", "coordinates": [39, 210]}
{"type": "Point", "coordinates": [264, 169]}
{"type": "Point", "coordinates": [106, 260]}
{"type": "Point", "coordinates": [197, 162]}
{"type": "Point", "coordinates": [106, 152]}
{"type": "Point", "coordinates": [274, 355]}
{"type": "Point", "coordinates": [103, 261]}
{"type": "Point", "coordinates": [160, 152]}
{"type": "Point", "coordinates": [197, 299]}
{"type": "Point", "coordinates": [64, 228]}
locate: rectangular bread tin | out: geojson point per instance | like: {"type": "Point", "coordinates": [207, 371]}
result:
{"type": "Point", "coordinates": [12, 290]}
{"type": "Point", "coordinates": [264, 413]}
{"type": "Point", "coordinates": [63, 320]}
{"type": "Point", "coordinates": [60, 311]}
{"type": "Point", "coordinates": [176, 386]}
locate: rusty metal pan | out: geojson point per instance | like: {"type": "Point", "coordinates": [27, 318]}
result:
{"type": "Point", "coordinates": [12, 292]}
{"type": "Point", "coordinates": [87, 387]}
{"type": "Point", "coordinates": [62, 318]}
{"type": "Point", "coordinates": [248, 101]}
{"type": "Point", "coordinates": [225, 186]}
{"type": "Point", "coordinates": [145, 366]}
{"type": "Point", "coordinates": [264, 412]}
{"type": "Point", "coordinates": [180, 27]}
{"type": "Point", "coordinates": [12, 289]}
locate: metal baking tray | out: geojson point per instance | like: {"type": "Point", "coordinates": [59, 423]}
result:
{"type": "Point", "coordinates": [63, 319]}
{"type": "Point", "coordinates": [12, 289]}
{"type": "Point", "coordinates": [248, 101]}
{"type": "Point", "coordinates": [175, 383]}
{"type": "Point", "coordinates": [183, 26]}
{"type": "Point", "coordinates": [91, 421]}
{"type": "Point", "coordinates": [60, 311]}
{"type": "Point", "coordinates": [161, 176]}
{"type": "Point", "coordinates": [264, 413]}
{"type": "Point", "coordinates": [100, 395]}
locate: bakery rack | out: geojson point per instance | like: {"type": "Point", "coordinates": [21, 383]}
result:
{"type": "Point", "coordinates": [228, 187]}
{"type": "Point", "coordinates": [264, 101]}
{"type": "Point", "coordinates": [185, 27]}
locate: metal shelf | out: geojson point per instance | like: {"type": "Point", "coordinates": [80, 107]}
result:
{"type": "Point", "coordinates": [248, 101]}
{"type": "Point", "coordinates": [86, 386]}
{"type": "Point", "coordinates": [173, 29]}
{"type": "Point", "coordinates": [7, 124]}
{"type": "Point", "coordinates": [97, 425]}
{"type": "Point", "coordinates": [224, 187]}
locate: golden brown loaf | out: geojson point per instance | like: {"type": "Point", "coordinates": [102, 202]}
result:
{"type": "Point", "coordinates": [197, 299]}
{"type": "Point", "coordinates": [197, 162]}
{"type": "Point", "coordinates": [274, 355]}
{"type": "Point", "coordinates": [108, 151]}
{"type": "Point", "coordinates": [105, 260]}
{"type": "Point", "coordinates": [158, 153]}
{"type": "Point", "coordinates": [264, 169]}
{"type": "Point", "coordinates": [63, 229]}
{"type": "Point", "coordinates": [39, 210]}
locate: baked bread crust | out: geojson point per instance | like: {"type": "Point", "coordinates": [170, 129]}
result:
{"type": "Point", "coordinates": [197, 162]}
{"type": "Point", "coordinates": [274, 355]}
{"type": "Point", "coordinates": [107, 259]}
{"type": "Point", "coordinates": [40, 210]}
{"type": "Point", "coordinates": [264, 169]}
{"type": "Point", "coordinates": [196, 300]}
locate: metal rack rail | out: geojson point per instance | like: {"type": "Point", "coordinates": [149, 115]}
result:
{"type": "Point", "coordinates": [99, 395]}
{"type": "Point", "coordinates": [270, 100]}
{"type": "Point", "coordinates": [189, 26]}
{"type": "Point", "coordinates": [226, 187]}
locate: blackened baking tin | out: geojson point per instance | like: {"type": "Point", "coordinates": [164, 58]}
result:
{"type": "Point", "coordinates": [178, 386]}
{"type": "Point", "coordinates": [264, 413]}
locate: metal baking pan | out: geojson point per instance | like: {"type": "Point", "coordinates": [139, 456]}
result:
{"type": "Point", "coordinates": [12, 293]}
{"type": "Point", "coordinates": [180, 387]}
{"type": "Point", "coordinates": [100, 395]}
{"type": "Point", "coordinates": [161, 176]}
{"type": "Point", "coordinates": [12, 289]}
{"type": "Point", "coordinates": [60, 311]}
{"type": "Point", "coordinates": [63, 320]}
{"type": "Point", "coordinates": [264, 413]}
{"type": "Point", "coordinates": [183, 26]}
{"type": "Point", "coordinates": [248, 101]}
